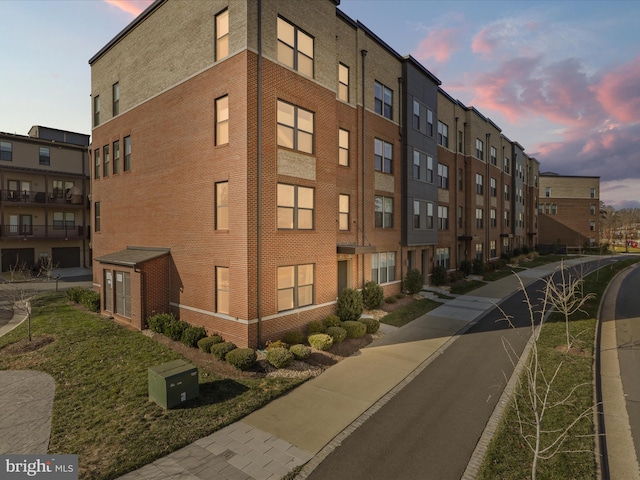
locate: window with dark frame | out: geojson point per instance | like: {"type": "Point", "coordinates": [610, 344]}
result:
{"type": "Point", "coordinates": [383, 100]}
{"type": "Point", "coordinates": [416, 115]}
{"type": "Point", "coordinates": [96, 110]}
{"type": "Point", "coordinates": [383, 267]}
{"type": "Point", "coordinates": [96, 216]}
{"type": "Point", "coordinates": [116, 157]}
{"type": "Point", "coordinates": [383, 207]}
{"type": "Point", "coordinates": [343, 82]}
{"type": "Point", "coordinates": [443, 217]}
{"type": "Point", "coordinates": [115, 96]}
{"type": "Point", "coordinates": [479, 184]}
{"type": "Point", "coordinates": [443, 134]}
{"type": "Point", "coordinates": [222, 120]}
{"type": "Point", "coordinates": [429, 123]}
{"type": "Point", "coordinates": [222, 290]}
{"type": "Point", "coordinates": [127, 153]}
{"type": "Point", "coordinates": [343, 147]}
{"type": "Point", "coordinates": [295, 207]}
{"type": "Point", "coordinates": [96, 163]}
{"type": "Point", "coordinates": [383, 156]}
{"type": "Point", "coordinates": [295, 127]}
{"type": "Point", "coordinates": [222, 35]}
{"type": "Point", "coordinates": [479, 149]}
{"type": "Point", "coordinates": [6, 151]}
{"type": "Point", "coordinates": [222, 205]}
{"type": "Point", "coordinates": [443, 176]}
{"type": "Point", "coordinates": [105, 161]}
{"type": "Point", "coordinates": [45, 156]}
{"type": "Point", "coordinates": [343, 212]}
{"type": "Point", "coordinates": [295, 286]}
{"type": "Point", "coordinates": [295, 48]}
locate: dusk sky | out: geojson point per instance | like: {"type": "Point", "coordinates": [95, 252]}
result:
{"type": "Point", "coordinates": [561, 78]}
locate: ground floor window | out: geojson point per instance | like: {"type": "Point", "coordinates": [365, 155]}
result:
{"type": "Point", "coordinates": [295, 286]}
{"type": "Point", "coordinates": [479, 251]}
{"type": "Point", "coordinates": [492, 248]}
{"type": "Point", "coordinates": [222, 290]}
{"type": "Point", "coordinates": [383, 267]}
{"type": "Point", "coordinates": [442, 257]}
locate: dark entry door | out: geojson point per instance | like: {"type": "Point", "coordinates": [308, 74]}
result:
{"type": "Point", "coordinates": [343, 275]}
{"type": "Point", "coordinates": [17, 258]}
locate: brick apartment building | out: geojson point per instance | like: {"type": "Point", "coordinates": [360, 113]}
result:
{"type": "Point", "coordinates": [252, 159]}
{"type": "Point", "coordinates": [44, 210]}
{"type": "Point", "coordinates": [569, 210]}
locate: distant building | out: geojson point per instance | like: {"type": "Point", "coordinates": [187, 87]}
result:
{"type": "Point", "coordinates": [44, 208]}
{"type": "Point", "coordinates": [569, 210]}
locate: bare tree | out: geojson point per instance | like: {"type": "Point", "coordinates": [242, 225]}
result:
{"type": "Point", "coordinates": [20, 290]}
{"type": "Point", "coordinates": [536, 396]}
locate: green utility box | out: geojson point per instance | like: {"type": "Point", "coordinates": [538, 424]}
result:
{"type": "Point", "coordinates": [173, 383]}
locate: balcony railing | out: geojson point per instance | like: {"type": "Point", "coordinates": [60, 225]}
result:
{"type": "Point", "coordinates": [8, 232]}
{"type": "Point", "coordinates": [28, 196]}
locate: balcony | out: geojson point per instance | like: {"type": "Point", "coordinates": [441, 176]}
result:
{"type": "Point", "coordinates": [36, 232]}
{"type": "Point", "coordinates": [40, 198]}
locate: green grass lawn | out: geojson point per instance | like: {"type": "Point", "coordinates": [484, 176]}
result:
{"type": "Point", "coordinates": [507, 456]}
{"type": "Point", "coordinates": [409, 312]}
{"type": "Point", "coordinates": [101, 410]}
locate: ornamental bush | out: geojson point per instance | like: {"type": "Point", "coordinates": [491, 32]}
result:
{"type": "Point", "coordinates": [192, 335]}
{"type": "Point", "coordinates": [220, 350]}
{"type": "Point", "coordinates": [338, 334]}
{"type": "Point", "coordinates": [242, 358]}
{"type": "Point", "coordinates": [320, 341]}
{"type": "Point", "coordinates": [300, 352]}
{"type": "Point", "coordinates": [465, 267]}
{"type": "Point", "coordinates": [372, 324]}
{"type": "Point", "coordinates": [354, 329]}
{"type": "Point", "coordinates": [75, 293]}
{"type": "Point", "coordinates": [439, 275]}
{"type": "Point", "coordinates": [175, 328]}
{"type": "Point", "coordinates": [279, 357]}
{"type": "Point", "coordinates": [315, 326]}
{"type": "Point", "coordinates": [331, 321]}
{"type": "Point", "coordinates": [372, 295]}
{"type": "Point", "coordinates": [205, 344]}
{"type": "Point", "coordinates": [293, 337]}
{"type": "Point", "coordinates": [276, 344]}
{"type": "Point", "coordinates": [413, 282]}
{"type": "Point", "coordinates": [478, 266]}
{"type": "Point", "coordinates": [157, 323]}
{"type": "Point", "coordinates": [91, 300]}
{"type": "Point", "coordinates": [349, 305]}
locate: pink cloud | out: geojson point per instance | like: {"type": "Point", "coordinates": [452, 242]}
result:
{"type": "Point", "coordinates": [134, 7]}
{"type": "Point", "coordinates": [484, 42]}
{"type": "Point", "coordinates": [438, 45]}
{"type": "Point", "coordinates": [619, 92]}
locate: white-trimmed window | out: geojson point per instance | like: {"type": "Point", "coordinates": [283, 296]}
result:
{"type": "Point", "coordinates": [383, 212]}
{"type": "Point", "coordinates": [507, 165]}
{"type": "Point", "coordinates": [295, 207]}
{"type": "Point", "coordinates": [222, 35]}
{"type": "Point", "coordinates": [493, 219]}
{"type": "Point", "coordinates": [479, 218]}
{"type": "Point", "coordinates": [295, 127]}
{"type": "Point", "coordinates": [443, 257]}
{"type": "Point", "coordinates": [479, 251]}
{"type": "Point", "coordinates": [507, 216]}
{"type": "Point", "coordinates": [592, 209]}
{"type": "Point", "coordinates": [343, 82]}
{"type": "Point", "coordinates": [443, 134]}
{"type": "Point", "coordinates": [507, 193]}
{"type": "Point", "coordinates": [443, 176]}
{"type": "Point", "coordinates": [443, 217]}
{"type": "Point", "coordinates": [343, 212]}
{"type": "Point", "coordinates": [479, 184]}
{"type": "Point", "coordinates": [343, 147]}
{"type": "Point", "coordinates": [222, 290]}
{"type": "Point", "coordinates": [429, 123]}
{"type": "Point", "coordinates": [479, 149]}
{"type": "Point", "coordinates": [494, 156]}
{"type": "Point", "coordinates": [383, 267]}
{"type": "Point", "coordinates": [295, 48]}
{"type": "Point", "coordinates": [383, 156]}
{"type": "Point", "coordinates": [222, 120]}
{"type": "Point", "coordinates": [222, 206]}
{"type": "Point", "coordinates": [493, 187]}
{"type": "Point", "coordinates": [295, 286]}
{"type": "Point", "coordinates": [383, 99]}
{"type": "Point", "coordinates": [492, 249]}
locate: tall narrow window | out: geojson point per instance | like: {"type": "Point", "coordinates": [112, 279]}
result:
{"type": "Point", "coordinates": [493, 219]}
{"type": "Point", "coordinates": [45, 156]}
{"type": "Point", "coordinates": [507, 165]}
{"type": "Point", "coordinates": [443, 135]}
{"type": "Point", "coordinates": [295, 127]}
{"type": "Point", "coordinates": [383, 212]}
{"type": "Point", "coordinates": [429, 169]}
{"type": "Point", "coordinates": [479, 149]}
{"type": "Point", "coordinates": [222, 290]}
{"type": "Point", "coordinates": [383, 155]}
{"type": "Point", "coordinates": [416, 215]}
{"type": "Point", "coordinates": [443, 217]}
{"type": "Point", "coordinates": [479, 251]}
{"type": "Point", "coordinates": [222, 35]}
{"type": "Point", "coordinates": [343, 147]}
{"type": "Point", "coordinates": [416, 115]}
{"type": "Point", "coordinates": [592, 209]}
{"type": "Point", "coordinates": [494, 156]}
{"type": "Point", "coordinates": [96, 110]}
{"type": "Point", "coordinates": [222, 206]}
{"type": "Point", "coordinates": [383, 267]}
{"type": "Point", "coordinates": [460, 217]}
{"type": "Point", "coordinates": [429, 123]}
{"type": "Point", "coordinates": [547, 191]}
{"type": "Point", "coordinates": [443, 176]}
{"type": "Point", "coordinates": [430, 216]}
{"type": "Point", "coordinates": [96, 217]}
{"type": "Point", "coordinates": [6, 151]}
{"type": "Point", "coordinates": [96, 163]}
{"type": "Point", "coordinates": [127, 153]}
{"type": "Point", "coordinates": [295, 207]}
{"type": "Point", "coordinates": [460, 137]}
{"type": "Point", "coordinates": [479, 218]}
{"type": "Point", "coordinates": [106, 161]}
{"type": "Point", "coordinates": [493, 187]}
{"type": "Point", "coordinates": [343, 82]}
{"type": "Point", "coordinates": [479, 184]}
{"type": "Point", "coordinates": [343, 212]}
{"type": "Point", "coordinates": [115, 95]}
{"type": "Point", "coordinates": [116, 157]}
{"type": "Point", "coordinates": [383, 99]}
{"type": "Point", "coordinates": [222, 120]}
{"type": "Point", "coordinates": [295, 286]}
{"type": "Point", "coordinates": [295, 48]}
{"type": "Point", "coordinates": [507, 216]}
{"type": "Point", "coordinates": [592, 193]}
{"type": "Point", "coordinates": [507, 193]}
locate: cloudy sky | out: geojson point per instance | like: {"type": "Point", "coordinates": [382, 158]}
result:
{"type": "Point", "coordinates": [562, 78]}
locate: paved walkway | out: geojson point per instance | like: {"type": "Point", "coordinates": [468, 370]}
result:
{"type": "Point", "coordinates": [304, 426]}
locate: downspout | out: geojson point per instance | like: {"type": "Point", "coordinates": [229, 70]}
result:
{"type": "Point", "coordinates": [487, 207]}
{"type": "Point", "coordinates": [402, 170]}
{"type": "Point", "coordinates": [457, 190]}
{"type": "Point", "coordinates": [259, 189]}
{"type": "Point", "coordinates": [363, 52]}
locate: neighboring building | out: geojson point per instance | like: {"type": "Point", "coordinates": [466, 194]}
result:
{"type": "Point", "coordinates": [270, 154]}
{"type": "Point", "coordinates": [569, 210]}
{"type": "Point", "coordinates": [44, 207]}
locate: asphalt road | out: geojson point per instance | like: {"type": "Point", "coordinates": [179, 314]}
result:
{"type": "Point", "coordinates": [628, 340]}
{"type": "Point", "coordinates": [430, 429]}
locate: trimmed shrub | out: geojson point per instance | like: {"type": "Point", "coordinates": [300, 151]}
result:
{"type": "Point", "coordinates": [220, 350]}
{"type": "Point", "coordinates": [192, 335]}
{"type": "Point", "coordinates": [75, 293]}
{"type": "Point", "coordinates": [349, 305]}
{"type": "Point", "coordinates": [157, 323]}
{"type": "Point", "coordinates": [205, 344]}
{"type": "Point", "coordinates": [439, 275]}
{"type": "Point", "coordinates": [525, 250]}
{"type": "Point", "coordinates": [517, 252]}
{"type": "Point", "coordinates": [372, 324]}
{"type": "Point", "coordinates": [90, 300]}
{"type": "Point", "coordinates": [505, 256]}
{"type": "Point", "coordinates": [331, 321]}
{"type": "Point", "coordinates": [478, 266]}
{"type": "Point", "coordinates": [293, 337]}
{"type": "Point", "coordinates": [465, 267]}
{"type": "Point", "coordinates": [279, 357]}
{"type": "Point", "coordinates": [413, 282]}
{"type": "Point", "coordinates": [391, 299]}
{"type": "Point", "coordinates": [276, 344]}
{"type": "Point", "coordinates": [320, 341]}
{"type": "Point", "coordinates": [300, 352]}
{"type": "Point", "coordinates": [315, 326]}
{"type": "Point", "coordinates": [372, 295]}
{"type": "Point", "coordinates": [354, 329]}
{"type": "Point", "coordinates": [338, 334]}
{"type": "Point", "coordinates": [175, 328]}
{"type": "Point", "coordinates": [242, 358]}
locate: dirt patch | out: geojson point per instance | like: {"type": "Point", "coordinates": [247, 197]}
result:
{"type": "Point", "coordinates": [26, 346]}
{"type": "Point", "coordinates": [575, 351]}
